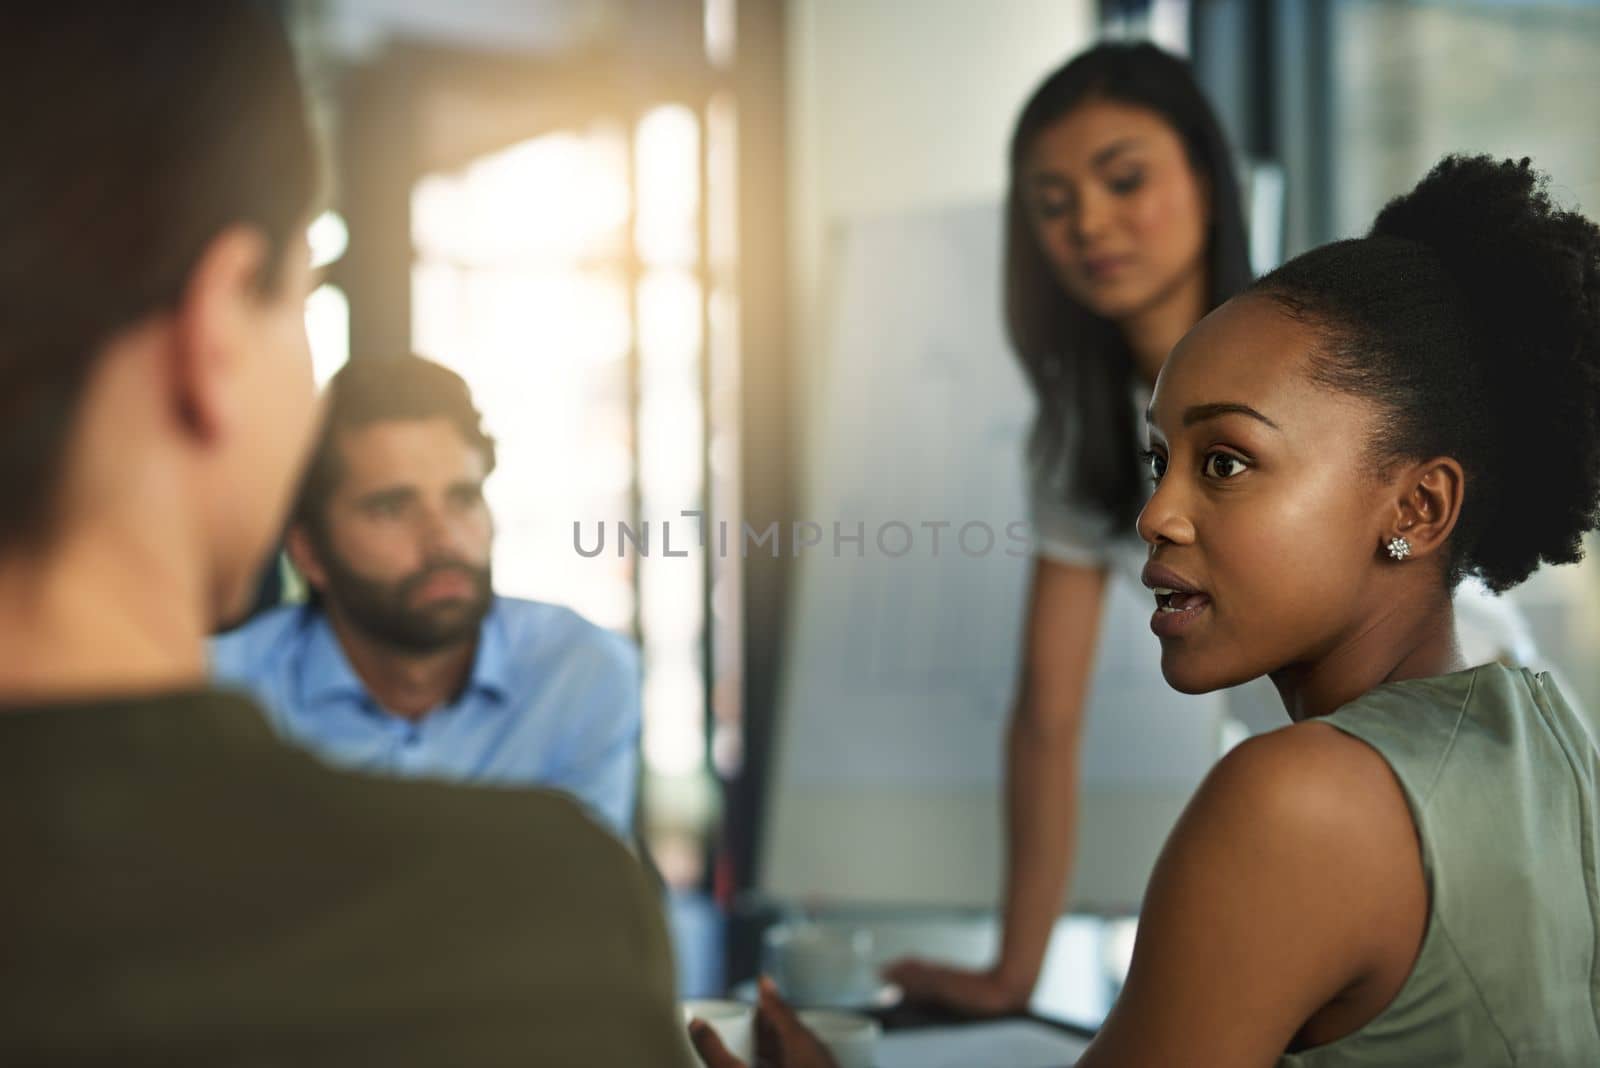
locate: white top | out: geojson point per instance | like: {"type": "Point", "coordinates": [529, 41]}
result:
{"type": "Point", "coordinates": [1071, 532]}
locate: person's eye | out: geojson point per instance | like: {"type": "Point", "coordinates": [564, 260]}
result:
{"type": "Point", "coordinates": [1222, 465]}
{"type": "Point", "coordinates": [1051, 203]}
{"type": "Point", "coordinates": [1154, 463]}
{"type": "Point", "coordinates": [384, 508]}
{"type": "Point", "coordinates": [1124, 184]}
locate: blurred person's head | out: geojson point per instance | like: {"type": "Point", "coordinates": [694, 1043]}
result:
{"type": "Point", "coordinates": [155, 380]}
{"type": "Point", "coordinates": [1122, 207]}
{"type": "Point", "coordinates": [1374, 420]}
{"type": "Point", "coordinates": [391, 529]}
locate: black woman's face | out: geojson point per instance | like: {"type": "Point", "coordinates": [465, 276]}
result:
{"type": "Point", "coordinates": [1266, 504]}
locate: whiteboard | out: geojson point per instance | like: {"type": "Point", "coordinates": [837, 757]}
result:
{"type": "Point", "coordinates": [900, 661]}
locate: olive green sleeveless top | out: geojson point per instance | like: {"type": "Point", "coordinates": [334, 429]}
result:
{"type": "Point", "coordinates": [1501, 776]}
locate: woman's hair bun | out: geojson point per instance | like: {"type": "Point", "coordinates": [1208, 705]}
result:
{"type": "Point", "coordinates": [1529, 274]}
{"type": "Point", "coordinates": [1471, 314]}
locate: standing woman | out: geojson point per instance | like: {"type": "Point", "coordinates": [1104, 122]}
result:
{"type": "Point", "coordinates": [1123, 229]}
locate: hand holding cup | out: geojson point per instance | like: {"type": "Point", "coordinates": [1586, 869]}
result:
{"type": "Point", "coordinates": [782, 1041]}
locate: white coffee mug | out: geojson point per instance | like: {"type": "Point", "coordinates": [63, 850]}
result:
{"type": "Point", "coordinates": [849, 1036]}
{"type": "Point", "coordinates": [733, 1021]}
{"type": "Point", "coordinates": [820, 964]}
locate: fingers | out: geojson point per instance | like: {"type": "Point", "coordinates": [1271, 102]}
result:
{"type": "Point", "coordinates": [775, 1009]}
{"type": "Point", "coordinates": [917, 978]}
{"type": "Point", "coordinates": [900, 970]}
{"type": "Point", "coordinates": [781, 1038]}
{"type": "Point", "coordinates": [713, 1054]}
{"type": "Point", "coordinates": [951, 988]}
{"type": "Point", "coordinates": [969, 993]}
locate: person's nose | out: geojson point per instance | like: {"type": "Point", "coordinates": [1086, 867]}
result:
{"type": "Point", "coordinates": [1091, 218]}
{"type": "Point", "coordinates": [442, 533]}
{"type": "Point", "coordinates": [1164, 519]}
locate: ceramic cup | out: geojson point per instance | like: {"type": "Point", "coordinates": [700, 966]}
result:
{"type": "Point", "coordinates": [851, 1037]}
{"type": "Point", "coordinates": [820, 964]}
{"type": "Point", "coordinates": [733, 1021]}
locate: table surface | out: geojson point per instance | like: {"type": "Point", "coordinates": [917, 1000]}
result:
{"type": "Point", "coordinates": [988, 1044]}
{"type": "Point", "coordinates": [914, 1017]}
{"type": "Point", "coordinates": [1082, 972]}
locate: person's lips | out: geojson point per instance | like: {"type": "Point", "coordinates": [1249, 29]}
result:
{"type": "Point", "coordinates": [1179, 601]}
{"type": "Point", "coordinates": [448, 583]}
{"type": "Point", "coordinates": [1104, 268]}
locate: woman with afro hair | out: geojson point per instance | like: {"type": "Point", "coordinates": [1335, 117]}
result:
{"type": "Point", "coordinates": [1407, 873]}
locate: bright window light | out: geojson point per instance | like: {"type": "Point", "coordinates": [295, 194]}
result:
{"type": "Point", "coordinates": [328, 237]}
{"type": "Point", "coordinates": [328, 330]}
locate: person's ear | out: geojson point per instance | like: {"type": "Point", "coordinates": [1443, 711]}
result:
{"type": "Point", "coordinates": [215, 320]}
{"type": "Point", "coordinates": [1427, 506]}
{"type": "Point", "coordinates": [303, 554]}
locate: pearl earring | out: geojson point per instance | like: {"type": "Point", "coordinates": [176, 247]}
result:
{"type": "Point", "coordinates": [1399, 548]}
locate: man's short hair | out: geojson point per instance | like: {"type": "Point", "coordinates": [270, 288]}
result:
{"type": "Point", "coordinates": [134, 135]}
{"type": "Point", "coordinates": [367, 391]}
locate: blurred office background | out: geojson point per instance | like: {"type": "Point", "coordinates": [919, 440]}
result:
{"type": "Point", "coordinates": [625, 222]}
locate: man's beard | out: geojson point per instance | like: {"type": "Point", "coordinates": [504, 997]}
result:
{"type": "Point", "coordinates": [383, 610]}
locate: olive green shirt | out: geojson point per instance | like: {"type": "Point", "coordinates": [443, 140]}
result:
{"type": "Point", "coordinates": [1500, 776]}
{"type": "Point", "coordinates": [180, 888]}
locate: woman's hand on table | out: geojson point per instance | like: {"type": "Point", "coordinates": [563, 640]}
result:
{"type": "Point", "coordinates": [984, 992]}
{"type": "Point", "coordinates": [782, 1041]}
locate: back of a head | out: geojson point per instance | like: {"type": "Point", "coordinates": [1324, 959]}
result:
{"type": "Point", "coordinates": [135, 134]}
{"type": "Point", "coordinates": [1471, 314]}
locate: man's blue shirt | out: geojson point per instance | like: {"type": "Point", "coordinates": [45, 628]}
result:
{"type": "Point", "coordinates": [552, 701]}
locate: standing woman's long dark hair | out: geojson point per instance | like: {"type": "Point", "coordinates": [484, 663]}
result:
{"type": "Point", "coordinates": [1078, 362]}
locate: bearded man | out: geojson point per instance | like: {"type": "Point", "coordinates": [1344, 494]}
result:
{"type": "Point", "coordinates": [406, 662]}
